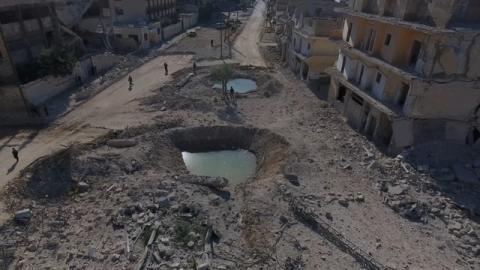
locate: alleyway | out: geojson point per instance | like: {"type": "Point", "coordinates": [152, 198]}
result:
{"type": "Point", "coordinates": [246, 50]}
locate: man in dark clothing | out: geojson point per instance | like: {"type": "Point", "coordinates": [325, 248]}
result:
{"type": "Point", "coordinates": [232, 95]}
{"type": "Point", "coordinates": [130, 81]}
{"type": "Point", "coordinates": [165, 65]}
{"type": "Point", "coordinates": [211, 42]}
{"type": "Point", "coordinates": [194, 67]}
{"type": "Point", "coordinates": [15, 154]}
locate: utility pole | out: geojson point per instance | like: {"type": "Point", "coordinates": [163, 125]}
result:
{"type": "Point", "coordinates": [221, 44]}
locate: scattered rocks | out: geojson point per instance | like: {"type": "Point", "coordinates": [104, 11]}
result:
{"type": "Point", "coordinates": [343, 202]}
{"type": "Point", "coordinates": [213, 182]}
{"type": "Point", "coordinates": [396, 190]}
{"type": "Point", "coordinates": [359, 198]}
{"type": "Point", "coordinates": [83, 187]}
{"type": "Point", "coordinates": [163, 202]}
{"type": "Point", "coordinates": [293, 179]}
{"type": "Point", "coordinates": [121, 143]}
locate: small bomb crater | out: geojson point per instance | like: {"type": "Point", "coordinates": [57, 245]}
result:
{"type": "Point", "coordinates": [234, 152]}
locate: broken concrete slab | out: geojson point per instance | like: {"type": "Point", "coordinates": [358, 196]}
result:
{"type": "Point", "coordinates": [396, 190]}
{"type": "Point", "coordinates": [213, 182]}
{"type": "Point", "coordinates": [23, 216]}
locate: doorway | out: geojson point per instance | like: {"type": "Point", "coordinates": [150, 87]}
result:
{"type": "Point", "coordinates": [415, 53]}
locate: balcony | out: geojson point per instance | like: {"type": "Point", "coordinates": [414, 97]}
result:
{"type": "Point", "coordinates": [373, 59]}
{"type": "Point", "coordinates": [389, 109]}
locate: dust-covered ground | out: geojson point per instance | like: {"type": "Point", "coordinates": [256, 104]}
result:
{"type": "Point", "coordinates": [323, 198]}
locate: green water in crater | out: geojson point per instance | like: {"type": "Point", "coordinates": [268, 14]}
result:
{"type": "Point", "coordinates": [237, 166]}
{"type": "Point", "coordinates": [241, 86]}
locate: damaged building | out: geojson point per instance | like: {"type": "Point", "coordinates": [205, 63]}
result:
{"type": "Point", "coordinates": [315, 35]}
{"type": "Point", "coordinates": [307, 34]}
{"type": "Point", "coordinates": [130, 24]}
{"type": "Point", "coordinates": [407, 71]}
{"type": "Point", "coordinates": [27, 27]}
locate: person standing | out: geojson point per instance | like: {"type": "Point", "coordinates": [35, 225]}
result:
{"type": "Point", "coordinates": [15, 154]}
{"type": "Point", "coordinates": [165, 65]}
{"type": "Point", "coordinates": [194, 67]}
{"type": "Point", "coordinates": [232, 95]}
{"type": "Point", "coordinates": [130, 82]}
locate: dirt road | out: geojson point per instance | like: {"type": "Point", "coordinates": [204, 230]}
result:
{"type": "Point", "coordinates": [114, 108]}
{"type": "Point", "coordinates": [246, 50]}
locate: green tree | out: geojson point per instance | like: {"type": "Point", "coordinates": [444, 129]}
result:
{"type": "Point", "coordinates": [57, 61]}
{"type": "Point", "coordinates": [223, 73]}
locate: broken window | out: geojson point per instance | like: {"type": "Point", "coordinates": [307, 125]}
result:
{"type": "Point", "coordinates": [371, 126]}
{"type": "Point", "coordinates": [342, 92]}
{"type": "Point", "coordinates": [360, 77]}
{"type": "Point", "coordinates": [415, 54]}
{"type": "Point", "coordinates": [402, 95]}
{"type": "Point", "coordinates": [473, 137]}
{"type": "Point", "coordinates": [349, 31]}
{"type": "Point", "coordinates": [388, 39]}
{"type": "Point", "coordinates": [371, 40]}
{"type": "Point", "coordinates": [344, 63]}
{"type": "Point", "coordinates": [378, 79]}
{"type": "Point", "coordinates": [119, 11]}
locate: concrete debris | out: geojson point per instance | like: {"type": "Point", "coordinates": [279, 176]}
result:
{"type": "Point", "coordinates": [83, 187]}
{"type": "Point", "coordinates": [121, 143]}
{"type": "Point", "coordinates": [396, 190]}
{"type": "Point", "coordinates": [293, 179]}
{"type": "Point", "coordinates": [213, 182]}
{"type": "Point", "coordinates": [23, 216]}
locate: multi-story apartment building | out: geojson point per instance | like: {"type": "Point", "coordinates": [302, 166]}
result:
{"type": "Point", "coordinates": [307, 35]}
{"type": "Point", "coordinates": [408, 71]}
{"type": "Point", "coordinates": [26, 28]}
{"type": "Point", "coordinates": [132, 23]}
{"type": "Point", "coordinates": [314, 44]}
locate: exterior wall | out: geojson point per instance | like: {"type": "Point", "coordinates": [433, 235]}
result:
{"type": "Point", "coordinates": [398, 51]}
{"type": "Point", "coordinates": [456, 100]}
{"type": "Point", "coordinates": [135, 11]}
{"type": "Point", "coordinates": [439, 13]}
{"type": "Point", "coordinates": [128, 12]}
{"type": "Point", "coordinates": [12, 107]}
{"type": "Point", "coordinates": [26, 40]}
{"type": "Point", "coordinates": [172, 30]}
{"type": "Point", "coordinates": [435, 98]}
{"type": "Point", "coordinates": [39, 91]}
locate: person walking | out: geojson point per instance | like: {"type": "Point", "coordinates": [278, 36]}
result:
{"type": "Point", "coordinates": [15, 154]}
{"type": "Point", "coordinates": [232, 95]}
{"type": "Point", "coordinates": [165, 65]}
{"type": "Point", "coordinates": [130, 82]}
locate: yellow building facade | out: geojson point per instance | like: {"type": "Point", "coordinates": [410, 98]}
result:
{"type": "Point", "coordinates": [405, 75]}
